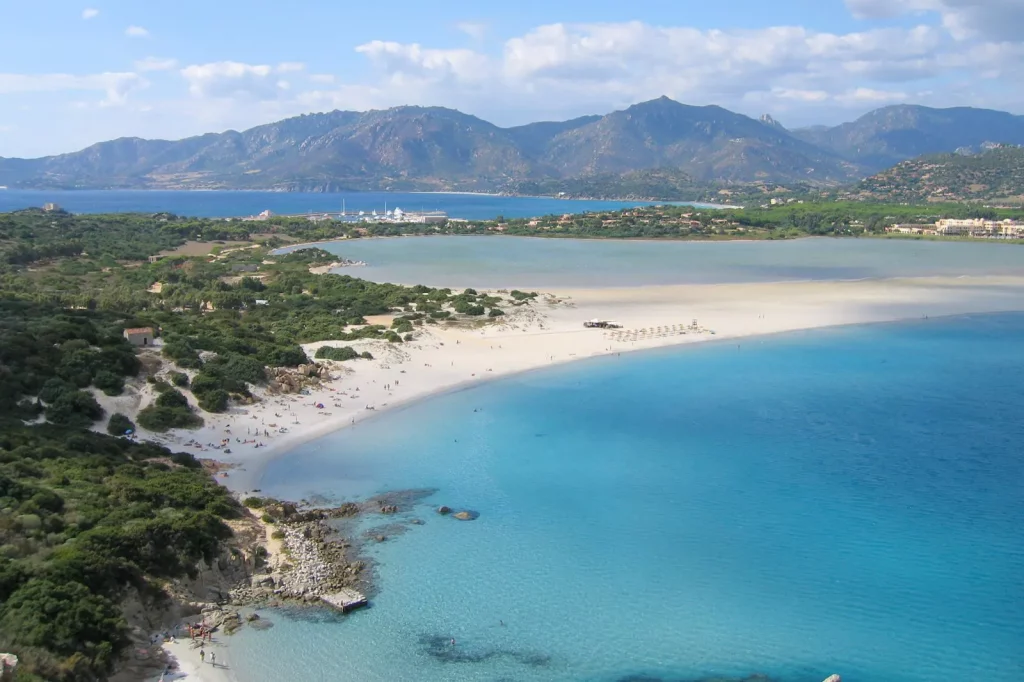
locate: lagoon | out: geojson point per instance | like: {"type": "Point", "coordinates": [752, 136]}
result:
{"type": "Point", "coordinates": [500, 261]}
{"type": "Point", "coordinates": [844, 500]}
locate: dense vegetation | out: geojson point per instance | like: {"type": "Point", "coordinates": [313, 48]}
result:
{"type": "Point", "coordinates": [84, 516]}
{"type": "Point", "coordinates": [995, 175]}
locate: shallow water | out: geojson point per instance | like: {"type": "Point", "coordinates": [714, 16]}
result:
{"type": "Point", "coordinates": [843, 500]}
{"type": "Point", "coordinates": [495, 262]}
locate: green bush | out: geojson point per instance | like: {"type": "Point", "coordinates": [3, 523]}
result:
{"type": "Point", "coordinates": [254, 502]}
{"type": "Point", "coordinates": [54, 388]}
{"type": "Point", "coordinates": [408, 337]}
{"type": "Point", "coordinates": [76, 408]}
{"type": "Point", "coordinates": [441, 315]}
{"type": "Point", "coordinates": [475, 310]}
{"type": "Point", "coordinates": [495, 312]}
{"type": "Point", "coordinates": [403, 327]}
{"type": "Point", "coordinates": [160, 419]}
{"type": "Point", "coordinates": [108, 382]}
{"type": "Point", "coordinates": [172, 399]}
{"type": "Point", "coordinates": [339, 353]}
{"type": "Point", "coordinates": [179, 379]}
{"type": "Point", "coordinates": [214, 401]}
{"type": "Point", "coordinates": [119, 424]}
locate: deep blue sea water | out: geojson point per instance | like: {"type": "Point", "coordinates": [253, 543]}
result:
{"type": "Point", "coordinates": [226, 204]}
{"type": "Point", "coordinates": [497, 261]}
{"type": "Point", "coordinates": [844, 500]}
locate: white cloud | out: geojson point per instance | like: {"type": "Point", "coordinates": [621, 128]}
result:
{"type": "Point", "coordinates": [136, 32]}
{"type": "Point", "coordinates": [115, 86]}
{"type": "Point", "coordinates": [90, 13]}
{"type": "Point", "coordinates": [1001, 20]}
{"type": "Point", "coordinates": [404, 62]}
{"type": "Point", "coordinates": [476, 30]}
{"type": "Point", "coordinates": [322, 77]}
{"type": "Point", "coordinates": [155, 64]}
{"type": "Point", "coordinates": [236, 79]}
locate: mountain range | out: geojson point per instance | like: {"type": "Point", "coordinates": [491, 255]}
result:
{"type": "Point", "coordinates": [434, 148]}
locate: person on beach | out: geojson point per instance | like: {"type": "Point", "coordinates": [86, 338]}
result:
{"type": "Point", "coordinates": [202, 656]}
{"type": "Point", "coordinates": [213, 659]}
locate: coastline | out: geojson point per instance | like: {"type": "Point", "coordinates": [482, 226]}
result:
{"type": "Point", "coordinates": [550, 332]}
{"type": "Point", "coordinates": [544, 334]}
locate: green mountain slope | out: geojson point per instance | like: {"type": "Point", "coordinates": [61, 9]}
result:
{"type": "Point", "coordinates": [996, 175]}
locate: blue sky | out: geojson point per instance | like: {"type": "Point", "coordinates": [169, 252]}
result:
{"type": "Point", "coordinates": [74, 73]}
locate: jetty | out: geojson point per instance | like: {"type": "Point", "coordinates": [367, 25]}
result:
{"type": "Point", "coordinates": [345, 599]}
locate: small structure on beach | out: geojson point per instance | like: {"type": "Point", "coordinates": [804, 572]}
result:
{"type": "Point", "coordinates": [140, 336]}
{"type": "Point", "coordinates": [345, 600]}
{"type": "Point", "coordinates": [601, 324]}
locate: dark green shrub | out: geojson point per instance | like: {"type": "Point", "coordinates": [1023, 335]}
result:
{"type": "Point", "coordinates": [214, 401]}
{"type": "Point", "coordinates": [77, 408]}
{"type": "Point", "coordinates": [108, 382]}
{"type": "Point", "coordinates": [495, 312]}
{"type": "Point", "coordinates": [172, 398]}
{"type": "Point", "coordinates": [119, 424]}
{"type": "Point", "coordinates": [179, 379]}
{"type": "Point", "coordinates": [336, 353]}
{"type": "Point", "coordinates": [160, 419]}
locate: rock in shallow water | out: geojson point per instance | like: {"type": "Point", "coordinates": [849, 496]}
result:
{"type": "Point", "coordinates": [465, 515]}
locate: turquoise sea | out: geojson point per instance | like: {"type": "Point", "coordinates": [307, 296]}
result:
{"type": "Point", "coordinates": [845, 500]}
{"type": "Point", "coordinates": [227, 204]}
{"type": "Point", "coordinates": [498, 261]}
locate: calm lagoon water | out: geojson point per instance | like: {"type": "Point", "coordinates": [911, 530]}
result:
{"type": "Point", "coordinates": [225, 204]}
{"type": "Point", "coordinates": [496, 261]}
{"type": "Point", "coordinates": [844, 500]}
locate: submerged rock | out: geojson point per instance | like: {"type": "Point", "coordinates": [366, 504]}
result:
{"type": "Point", "coordinates": [444, 510]}
{"type": "Point", "coordinates": [465, 515]}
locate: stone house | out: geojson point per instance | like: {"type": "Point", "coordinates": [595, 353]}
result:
{"type": "Point", "coordinates": [140, 336]}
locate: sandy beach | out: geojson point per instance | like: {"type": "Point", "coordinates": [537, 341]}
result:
{"type": "Point", "coordinates": [547, 332]}
{"type": "Point", "coordinates": [550, 331]}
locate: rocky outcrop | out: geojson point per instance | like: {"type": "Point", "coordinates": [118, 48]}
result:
{"type": "Point", "coordinates": [465, 515]}
{"type": "Point", "coordinates": [444, 510]}
{"type": "Point", "coordinates": [8, 664]}
{"type": "Point", "coordinates": [293, 380]}
{"type": "Point", "coordinates": [833, 678]}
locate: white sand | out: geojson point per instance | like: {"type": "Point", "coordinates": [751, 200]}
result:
{"type": "Point", "coordinates": [188, 665]}
{"type": "Point", "coordinates": [546, 333]}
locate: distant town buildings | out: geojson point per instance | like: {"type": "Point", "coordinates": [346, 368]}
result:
{"type": "Point", "coordinates": [964, 227]}
{"type": "Point", "coordinates": [51, 207]}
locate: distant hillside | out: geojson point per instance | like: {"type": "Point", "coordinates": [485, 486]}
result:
{"type": "Point", "coordinates": [658, 149]}
{"type": "Point", "coordinates": [437, 149]}
{"type": "Point", "coordinates": [995, 176]}
{"type": "Point", "coordinates": [889, 135]}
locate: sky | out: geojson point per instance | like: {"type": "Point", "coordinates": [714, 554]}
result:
{"type": "Point", "coordinates": [74, 73]}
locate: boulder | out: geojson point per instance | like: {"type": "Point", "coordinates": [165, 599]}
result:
{"type": "Point", "coordinates": [444, 510]}
{"type": "Point", "coordinates": [8, 664]}
{"type": "Point", "coordinates": [465, 515]}
{"type": "Point", "coordinates": [833, 678]}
